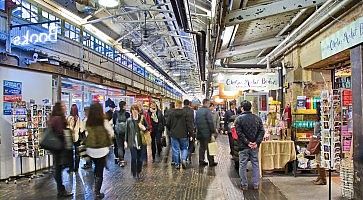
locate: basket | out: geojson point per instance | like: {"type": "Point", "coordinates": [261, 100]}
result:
{"type": "Point", "coordinates": [347, 177]}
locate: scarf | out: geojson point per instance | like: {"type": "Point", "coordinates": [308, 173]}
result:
{"type": "Point", "coordinates": [154, 115]}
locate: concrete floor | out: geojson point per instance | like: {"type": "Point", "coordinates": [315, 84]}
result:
{"type": "Point", "coordinates": [303, 188]}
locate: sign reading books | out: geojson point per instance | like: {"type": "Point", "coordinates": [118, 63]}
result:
{"type": "Point", "coordinates": [23, 39]}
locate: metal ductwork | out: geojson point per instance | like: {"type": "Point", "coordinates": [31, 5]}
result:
{"type": "Point", "coordinates": [201, 47]}
{"type": "Point", "coordinates": [161, 71]}
{"type": "Point", "coordinates": [244, 66]}
{"type": "Point", "coordinates": [180, 14]}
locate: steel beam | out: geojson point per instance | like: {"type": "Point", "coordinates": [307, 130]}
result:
{"type": "Point", "coordinates": [273, 8]}
{"type": "Point", "coordinates": [264, 44]}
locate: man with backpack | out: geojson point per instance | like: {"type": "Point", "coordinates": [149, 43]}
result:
{"type": "Point", "coordinates": [119, 121]}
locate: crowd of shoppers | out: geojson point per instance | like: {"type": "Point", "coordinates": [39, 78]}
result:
{"type": "Point", "coordinates": [145, 125]}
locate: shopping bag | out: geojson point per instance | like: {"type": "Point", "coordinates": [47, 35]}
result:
{"type": "Point", "coordinates": [146, 138]}
{"type": "Point", "coordinates": [51, 141]}
{"type": "Point", "coordinates": [313, 146]}
{"type": "Point", "coordinates": [234, 133]}
{"type": "Point", "coordinates": [213, 148]}
{"type": "Point", "coordinates": [163, 141]}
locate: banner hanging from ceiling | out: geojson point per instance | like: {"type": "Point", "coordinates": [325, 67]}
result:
{"type": "Point", "coordinates": [260, 82]}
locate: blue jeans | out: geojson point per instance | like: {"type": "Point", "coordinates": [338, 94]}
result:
{"type": "Point", "coordinates": [179, 147]}
{"type": "Point", "coordinates": [244, 155]}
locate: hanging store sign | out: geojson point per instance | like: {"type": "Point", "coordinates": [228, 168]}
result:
{"type": "Point", "coordinates": [28, 38]}
{"type": "Point", "coordinates": [249, 82]}
{"type": "Point", "coordinates": [347, 37]}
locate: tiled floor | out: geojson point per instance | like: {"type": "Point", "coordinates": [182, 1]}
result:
{"type": "Point", "coordinates": [160, 181]}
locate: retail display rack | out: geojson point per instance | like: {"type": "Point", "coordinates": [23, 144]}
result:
{"type": "Point", "coordinates": [28, 123]}
{"type": "Point", "coordinates": [302, 132]}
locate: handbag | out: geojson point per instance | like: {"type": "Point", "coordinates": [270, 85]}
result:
{"type": "Point", "coordinates": [145, 135]}
{"type": "Point", "coordinates": [313, 146]}
{"type": "Point", "coordinates": [234, 133]}
{"type": "Point", "coordinates": [213, 148]}
{"type": "Point", "coordinates": [51, 141]}
{"type": "Point", "coordinates": [163, 141]}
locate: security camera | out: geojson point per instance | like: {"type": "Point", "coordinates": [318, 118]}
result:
{"type": "Point", "coordinates": [35, 57]}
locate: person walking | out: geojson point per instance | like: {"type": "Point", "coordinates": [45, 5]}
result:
{"type": "Point", "coordinates": [157, 121]}
{"type": "Point", "coordinates": [119, 121]}
{"type": "Point", "coordinates": [98, 142]}
{"type": "Point", "coordinates": [229, 117]}
{"type": "Point", "coordinates": [109, 115]}
{"type": "Point", "coordinates": [216, 119]}
{"type": "Point", "coordinates": [181, 128]}
{"type": "Point", "coordinates": [144, 111]}
{"type": "Point", "coordinates": [74, 124]}
{"type": "Point", "coordinates": [205, 133]}
{"type": "Point", "coordinates": [190, 119]}
{"type": "Point", "coordinates": [83, 136]}
{"type": "Point", "coordinates": [58, 123]}
{"type": "Point", "coordinates": [250, 132]}
{"type": "Point", "coordinates": [135, 127]}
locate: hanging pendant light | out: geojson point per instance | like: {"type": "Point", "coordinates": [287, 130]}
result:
{"type": "Point", "coordinates": [109, 3]}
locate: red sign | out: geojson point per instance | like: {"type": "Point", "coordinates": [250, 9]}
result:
{"type": "Point", "coordinates": [12, 98]}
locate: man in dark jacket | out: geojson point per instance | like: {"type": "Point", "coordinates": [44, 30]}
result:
{"type": "Point", "coordinates": [250, 132]}
{"type": "Point", "coordinates": [205, 132]}
{"type": "Point", "coordinates": [181, 129]}
{"type": "Point", "coordinates": [190, 118]}
{"type": "Point", "coordinates": [228, 117]}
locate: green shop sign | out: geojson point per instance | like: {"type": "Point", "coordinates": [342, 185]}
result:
{"type": "Point", "coordinates": [347, 37]}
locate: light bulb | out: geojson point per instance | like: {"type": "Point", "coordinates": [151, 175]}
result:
{"type": "Point", "coordinates": [109, 3]}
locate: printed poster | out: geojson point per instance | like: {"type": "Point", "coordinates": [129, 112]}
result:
{"type": "Point", "coordinates": [12, 93]}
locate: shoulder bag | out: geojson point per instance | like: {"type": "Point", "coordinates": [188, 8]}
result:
{"type": "Point", "coordinates": [145, 135]}
{"type": "Point", "coordinates": [313, 146]}
{"type": "Point", "coordinates": [51, 141]}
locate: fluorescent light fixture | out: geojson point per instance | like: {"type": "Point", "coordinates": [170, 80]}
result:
{"type": "Point", "coordinates": [109, 3]}
{"type": "Point", "coordinates": [176, 74]}
{"type": "Point", "coordinates": [183, 83]}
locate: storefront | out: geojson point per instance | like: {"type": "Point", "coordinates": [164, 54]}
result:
{"type": "Point", "coordinates": [331, 74]}
{"type": "Point", "coordinates": [19, 134]}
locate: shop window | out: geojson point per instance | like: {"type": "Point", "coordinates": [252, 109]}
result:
{"type": "Point", "coordinates": [26, 11]}
{"type": "Point", "coordinates": [49, 17]}
{"type": "Point", "coordinates": [71, 31]}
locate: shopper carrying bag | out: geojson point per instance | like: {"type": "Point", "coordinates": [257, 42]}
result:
{"type": "Point", "coordinates": [55, 136]}
{"type": "Point", "coordinates": [135, 129]}
{"type": "Point", "coordinates": [98, 142]}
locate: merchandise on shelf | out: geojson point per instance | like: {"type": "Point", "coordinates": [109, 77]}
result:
{"type": "Point", "coordinates": [28, 121]}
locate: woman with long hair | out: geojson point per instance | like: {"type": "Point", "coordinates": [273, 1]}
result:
{"type": "Point", "coordinates": [135, 127]}
{"type": "Point", "coordinates": [74, 124]}
{"type": "Point", "coordinates": [58, 123]}
{"type": "Point", "coordinates": [158, 127]}
{"type": "Point", "coordinates": [98, 142]}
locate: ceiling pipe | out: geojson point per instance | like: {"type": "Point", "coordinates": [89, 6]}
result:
{"type": "Point", "coordinates": [323, 13]}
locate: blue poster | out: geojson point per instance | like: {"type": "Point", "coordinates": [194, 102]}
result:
{"type": "Point", "coordinates": [12, 88]}
{"type": "Point", "coordinates": [7, 108]}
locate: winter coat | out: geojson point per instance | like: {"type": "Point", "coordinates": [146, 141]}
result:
{"type": "Point", "coordinates": [227, 118]}
{"type": "Point", "coordinates": [190, 114]}
{"type": "Point", "coordinates": [58, 126]}
{"type": "Point", "coordinates": [159, 126]}
{"type": "Point", "coordinates": [249, 128]}
{"type": "Point", "coordinates": [179, 124]}
{"type": "Point", "coordinates": [204, 123]}
{"type": "Point", "coordinates": [133, 132]}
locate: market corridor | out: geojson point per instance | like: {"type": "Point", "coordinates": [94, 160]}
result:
{"type": "Point", "coordinates": [160, 181]}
